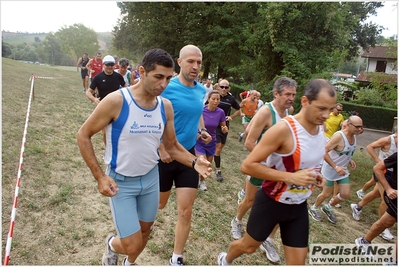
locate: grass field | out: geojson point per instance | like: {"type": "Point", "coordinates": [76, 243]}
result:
{"type": "Point", "coordinates": [62, 219]}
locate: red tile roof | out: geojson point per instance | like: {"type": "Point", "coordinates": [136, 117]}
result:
{"type": "Point", "coordinates": [380, 52]}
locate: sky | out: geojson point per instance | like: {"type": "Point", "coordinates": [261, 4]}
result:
{"type": "Point", "coordinates": [101, 16]}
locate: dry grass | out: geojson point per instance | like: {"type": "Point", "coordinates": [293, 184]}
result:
{"type": "Point", "coordinates": [62, 219]}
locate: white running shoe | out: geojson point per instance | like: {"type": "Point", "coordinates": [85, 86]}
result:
{"type": "Point", "coordinates": [202, 186]}
{"type": "Point", "coordinates": [360, 194]}
{"type": "Point", "coordinates": [236, 229]}
{"type": "Point", "coordinates": [109, 257]}
{"type": "Point", "coordinates": [355, 212]}
{"type": "Point", "coordinates": [240, 195]}
{"type": "Point", "coordinates": [271, 253]}
{"type": "Point", "coordinates": [387, 235]}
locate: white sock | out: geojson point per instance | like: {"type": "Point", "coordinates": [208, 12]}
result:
{"type": "Point", "coordinates": [269, 239]}
{"type": "Point", "coordinates": [126, 262]}
{"type": "Point", "coordinates": [110, 244]}
{"type": "Point", "coordinates": [175, 256]}
{"type": "Point", "coordinates": [225, 262]}
{"type": "Point", "coordinates": [237, 220]}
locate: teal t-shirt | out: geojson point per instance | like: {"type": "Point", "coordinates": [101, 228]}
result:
{"type": "Point", "coordinates": [187, 104]}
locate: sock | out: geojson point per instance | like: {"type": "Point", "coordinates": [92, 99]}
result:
{"type": "Point", "coordinates": [126, 262]}
{"type": "Point", "coordinates": [225, 262]}
{"type": "Point", "coordinates": [110, 244]}
{"type": "Point", "coordinates": [313, 207]}
{"type": "Point", "coordinates": [269, 239]}
{"type": "Point", "coordinates": [175, 257]}
{"type": "Point", "coordinates": [237, 220]}
{"type": "Point", "coordinates": [358, 207]}
{"type": "Point", "coordinates": [217, 161]}
{"type": "Point", "coordinates": [328, 206]}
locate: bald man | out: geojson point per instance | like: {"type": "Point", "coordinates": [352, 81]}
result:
{"type": "Point", "coordinates": [339, 153]}
{"type": "Point", "coordinates": [186, 96]}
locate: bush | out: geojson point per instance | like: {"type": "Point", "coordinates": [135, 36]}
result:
{"type": "Point", "coordinates": [379, 118]}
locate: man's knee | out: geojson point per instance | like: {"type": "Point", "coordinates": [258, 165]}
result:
{"type": "Point", "coordinates": [185, 213]}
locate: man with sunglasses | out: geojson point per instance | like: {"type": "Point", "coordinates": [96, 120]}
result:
{"type": "Point", "coordinates": [334, 122]}
{"type": "Point", "coordinates": [227, 101]}
{"type": "Point", "coordinates": [106, 81]}
{"type": "Point", "coordinates": [339, 152]}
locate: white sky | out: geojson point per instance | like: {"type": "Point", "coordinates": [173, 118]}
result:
{"type": "Point", "coordinates": [101, 16]}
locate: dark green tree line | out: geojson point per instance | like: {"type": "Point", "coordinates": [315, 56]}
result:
{"type": "Point", "coordinates": [253, 42]}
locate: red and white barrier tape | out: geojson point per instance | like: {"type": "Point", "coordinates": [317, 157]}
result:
{"type": "Point", "coordinates": [21, 159]}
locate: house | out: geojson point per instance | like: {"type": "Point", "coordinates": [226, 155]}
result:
{"type": "Point", "coordinates": [380, 59]}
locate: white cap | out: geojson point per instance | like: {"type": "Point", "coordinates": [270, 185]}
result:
{"type": "Point", "coordinates": [108, 59]}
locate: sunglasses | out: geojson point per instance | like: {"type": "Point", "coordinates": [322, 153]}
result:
{"type": "Point", "coordinates": [224, 87]}
{"type": "Point", "coordinates": [109, 64]}
{"type": "Point", "coordinates": [356, 126]}
{"type": "Point", "coordinates": [339, 110]}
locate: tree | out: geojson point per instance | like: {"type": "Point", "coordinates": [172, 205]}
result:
{"type": "Point", "coordinates": [77, 39]}
{"type": "Point", "coordinates": [5, 49]}
{"type": "Point", "coordinates": [254, 42]}
{"type": "Point", "coordinates": [52, 49]}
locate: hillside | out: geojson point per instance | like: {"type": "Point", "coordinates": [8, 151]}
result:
{"type": "Point", "coordinates": [16, 38]}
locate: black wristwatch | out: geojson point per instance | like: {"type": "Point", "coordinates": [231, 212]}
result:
{"type": "Point", "coordinates": [203, 129]}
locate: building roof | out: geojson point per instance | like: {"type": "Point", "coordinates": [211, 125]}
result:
{"type": "Point", "coordinates": [385, 78]}
{"type": "Point", "coordinates": [380, 52]}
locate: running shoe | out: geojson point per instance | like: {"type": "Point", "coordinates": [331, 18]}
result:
{"type": "Point", "coordinates": [109, 257]}
{"type": "Point", "coordinates": [271, 253]}
{"type": "Point", "coordinates": [386, 234]}
{"type": "Point", "coordinates": [240, 136]}
{"type": "Point", "coordinates": [363, 244]}
{"type": "Point", "coordinates": [219, 176]}
{"type": "Point", "coordinates": [221, 257]}
{"type": "Point", "coordinates": [330, 214]}
{"type": "Point", "coordinates": [355, 212]}
{"type": "Point", "coordinates": [236, 228]}
{"type": "Point", "coordinates": [179, 262]}
{"type": "Point", "coordinates": [202, 186]}
{"type": "Point", "coordinates": [315, 214]}
{"type": "Point", "coordinates": [360, 194]}
{"type": "Point", "coordinates": [240, 195]}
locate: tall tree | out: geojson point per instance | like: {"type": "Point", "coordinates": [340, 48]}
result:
{"type": "Point", "coordinates": [5, 49]}
{"type": "Point", "coordinates": [52, 49]}
{"type": "Point", "coordinates": [77, 39]}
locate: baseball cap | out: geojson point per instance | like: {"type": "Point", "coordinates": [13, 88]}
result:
{"type": "Point", "coordinates": [108, 59]}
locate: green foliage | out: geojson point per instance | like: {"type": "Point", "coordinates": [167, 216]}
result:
{"type": "Point", "coordinates": [251, 42]}
{"type": "Point", "coordinates": [374, 117]}
{"type": "Point", "coordinates": [5, 49]}
{"type": "Point", "coordinates": [77, 39]}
